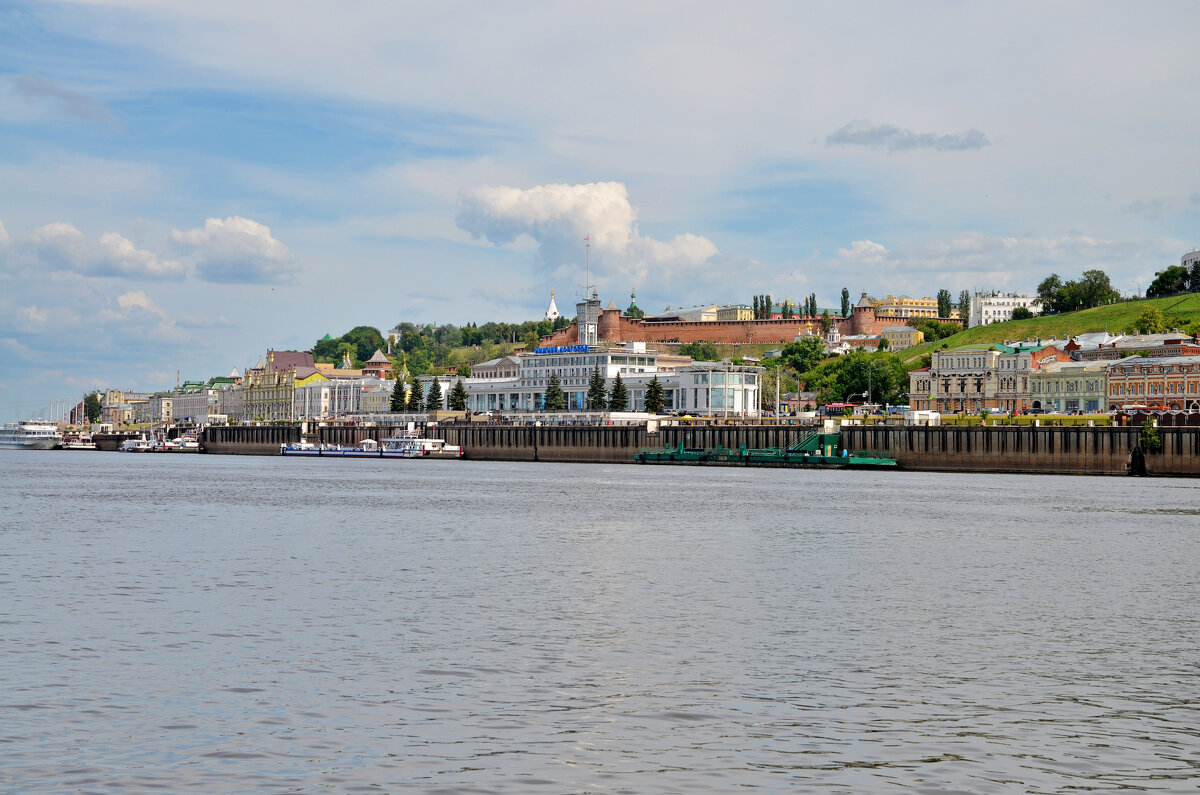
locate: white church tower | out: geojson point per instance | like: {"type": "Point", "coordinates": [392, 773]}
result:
{"type": "Point", "coordinates": [552, 310]}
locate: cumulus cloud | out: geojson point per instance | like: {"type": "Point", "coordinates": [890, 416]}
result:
{"type": "Point", "coordinates": [975, 260]}
{"type": "Point", "coordinates": [136, 312]}
{"type": "Point", "coordinates": [4, 238]}
{"type": "Point", "coordinates": [238, 250]}
{"type": "Point", "coordinates": [894, 139]}
{"type": "Point", "coordinates": [38, 90]}
{"type": "Point", "coordinates": [558, 217]}
{"type": "Point", "coordinates": [63, 247]}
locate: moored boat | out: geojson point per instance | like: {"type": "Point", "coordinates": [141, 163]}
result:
{"type": "Point", "coordinates": [140, 445]}
{"type": "Point", "coordinates": [407, 445]}
{"type": "Point", "coordinates": [30, 435]}
{"type": "Point", "coordinates": [817, 450]}
{"type": "Point", "coordinates": [82, 441]}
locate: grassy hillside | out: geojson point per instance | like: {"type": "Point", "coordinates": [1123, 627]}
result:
{"type": "Point", "coordinates": [1114, 318]}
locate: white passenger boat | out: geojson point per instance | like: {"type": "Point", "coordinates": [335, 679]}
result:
{"type": "Point", "coordinates": [136, 446]}
{"type": "Point", "coordinates": [82, 441]}
{"type": "Point", "coordinates": [407, 445]}
{"type": "Point", "coordinates": [30, 435]}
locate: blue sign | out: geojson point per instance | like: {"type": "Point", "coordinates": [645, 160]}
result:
{"type": "Point", "coordinates": [563, 349]}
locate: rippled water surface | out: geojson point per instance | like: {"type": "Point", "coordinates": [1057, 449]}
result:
{"type": "Point", "coordinates": [226, 624]}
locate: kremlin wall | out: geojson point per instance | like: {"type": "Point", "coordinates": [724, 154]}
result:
{"type": "Point", "coordinates": [866, 317]}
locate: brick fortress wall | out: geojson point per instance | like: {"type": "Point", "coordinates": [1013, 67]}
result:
{"type": "Point", "coordinates": [616, 328]}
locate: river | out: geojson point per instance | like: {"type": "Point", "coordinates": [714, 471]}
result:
{"type": "Point", "coordinates": [228, 624]}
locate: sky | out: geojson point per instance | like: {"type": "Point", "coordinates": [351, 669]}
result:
{"type": "Point", "coordinates": [184, 185]}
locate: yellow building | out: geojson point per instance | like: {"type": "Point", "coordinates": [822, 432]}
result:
{"type": "Point", "coordinates": [731, 312]}
{"type": "Point", "coordinates": [905, 307]}
{"type": "Point", "coordinates": [901, 337]}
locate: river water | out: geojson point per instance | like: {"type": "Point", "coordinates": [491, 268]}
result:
{"type": "Point", "coordinates": [224, 624]}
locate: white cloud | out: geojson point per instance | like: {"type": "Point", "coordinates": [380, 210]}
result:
{"type": "Point", "coordinates": [62, 246]}
{"type": "Point", "coordinates": [238, 250]}
{"type": "Point", "coordinates": [4, 238]}
{"type": "Point", "coordinates": [36, 319]}
{"type": "Point", "coordinates": [137, 313]}
{"type": "Point", "coordinates": [973, 260]}
{"type": "Point", "coordinates": [558, 217]}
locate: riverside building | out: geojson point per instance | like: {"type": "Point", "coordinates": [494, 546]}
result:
{"type": "Point", "coordinates": [708, 388]}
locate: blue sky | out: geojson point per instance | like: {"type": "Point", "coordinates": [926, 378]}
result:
{"type": "Point", "coordinates": [184, 185]}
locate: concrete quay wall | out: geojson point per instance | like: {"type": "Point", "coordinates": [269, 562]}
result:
{"type": "Point", "coordinates": [1065, 451]}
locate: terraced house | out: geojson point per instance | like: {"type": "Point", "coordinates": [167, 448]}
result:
{"type": "Point", "coordinates": [1069, 386]}
{"type": "Point", "coordinates": [1171, 381]}
{"type": "Point", "coordinates": [977, 377]}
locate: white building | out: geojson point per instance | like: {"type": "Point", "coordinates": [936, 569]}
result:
{"type": "Point", "coordinates": [987, 308]}
{"type": "Point", "coordinates": [1190, 259]}
{"type": "Point", "coordinates": [724, 388]}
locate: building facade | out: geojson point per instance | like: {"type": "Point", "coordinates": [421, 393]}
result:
{"type": "Point", "coordinates": [994, 307]}
{"type": "Point", "coordinates": [1170, 381]}
{"type": "Point", "coordinates": [973, 378]}
{"type": "Point", "coordinates": [901, 337]}
{"type": "Point", "coordinates": [1069, 387]}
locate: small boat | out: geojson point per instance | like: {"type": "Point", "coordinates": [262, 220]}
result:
{"type": "Point", "coordinates": [30, 435]}
{"type": "Point", "coordinates": [82, 441]}
{"type": "Point", "coordinates": [140, 445]}
{"type": "Point", "coordinates": [182, 444]}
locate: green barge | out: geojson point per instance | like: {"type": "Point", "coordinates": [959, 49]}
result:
{"type": "Point", "coordinates": [817, 450]}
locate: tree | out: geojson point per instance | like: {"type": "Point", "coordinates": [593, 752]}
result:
{"type": "Point", "coordinates": [1022, 313]}
{"type": "Point", "coordinates": [433, 401]}
{"type": "Point", "coordinates": [597, 398]}
{"type": "Point", "coordinates": [964, 305]}
{"type": "Point", "coordinates": [803, 355]}
{"type": "Point", "coordinates": [757, 313]}
{"type": "Point", "coordinates": [1150, 440]}
{"type": "Point", "coordinates": [416, 397]}
{"type": "Point", "coordinates": [458, 396]}
{"type": "Point", "coordinates": [934, 329]}
{"type": "Point", "coordinates": [530, 341]}
{"type": "Point", "coordinates": [618, 399]}
{"type": "Point", "coordinates": [1171, 281]}
{"type": "Point", "coordinates": [845, 302]}
{"type": "Point", "coordinates": [826, 322]}
{"type": "Point", "coordinates": [943, 301]}
{"type": "Point", "coordinates": [700, 351]}
{"type": "Point", "coordinates": [464, 370]}
{"type": "Point", "coordinates": [397, 402]}
{"type": "Point", "coordinates": [1150, 321]}
{"type": "Point", "coordinates": [1194, 277]}
{"type": "Point", "coordinates": [883, 343]}
{"type": "Point", "coordinates": [91, 406]}
{"type": "Point", "coordinates": [1048, 292]}
{"type": "Point", "coordinates": [655, 398]}
{"type": "Point", "coordinates": [1096, 289]}
{"type": "Point", "coordinates": [556, 399]}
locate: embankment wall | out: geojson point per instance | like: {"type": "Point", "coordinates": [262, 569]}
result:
{"type": "Point", "coordinates": [1074, 451]}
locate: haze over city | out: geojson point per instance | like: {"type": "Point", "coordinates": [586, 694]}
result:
{"type": "Point", "coordinates": [185, 185]}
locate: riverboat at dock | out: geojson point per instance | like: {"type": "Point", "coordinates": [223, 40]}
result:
{"type": "Point", "coordinates": [816, 450]}
{"type": "Point", "coordinates": [402, 446]}
{"type": "Point", "coordinates": [30, 435]}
